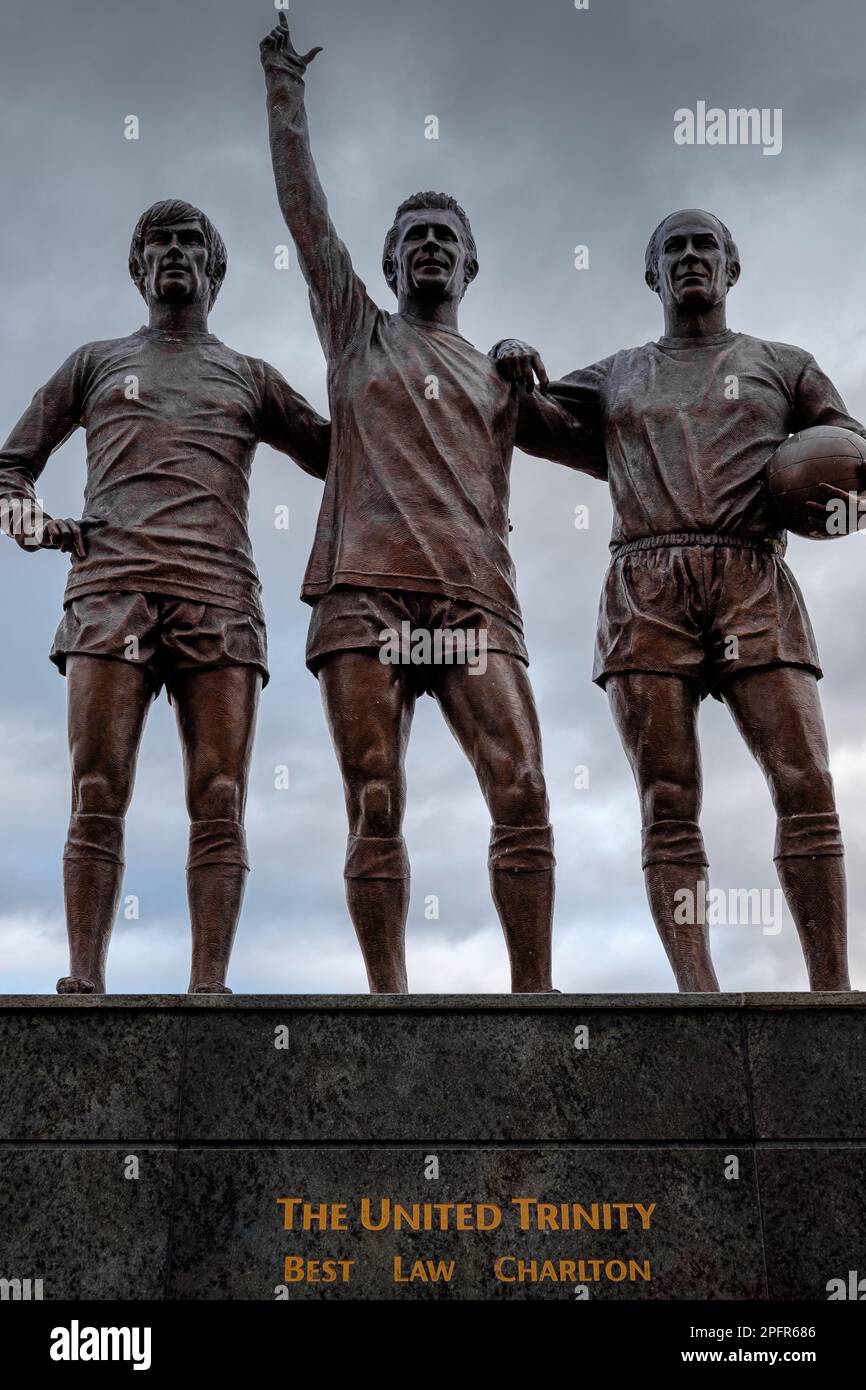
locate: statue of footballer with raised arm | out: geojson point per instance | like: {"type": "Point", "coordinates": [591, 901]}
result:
{"type": "Point", "coordinates": [412, 538]}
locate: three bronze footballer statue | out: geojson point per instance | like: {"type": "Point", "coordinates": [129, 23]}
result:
{"type": "Point", "coordinates": [691, 432]}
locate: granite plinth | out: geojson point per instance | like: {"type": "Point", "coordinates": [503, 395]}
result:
{"type": "Point", "coordinates": [469, 1147]}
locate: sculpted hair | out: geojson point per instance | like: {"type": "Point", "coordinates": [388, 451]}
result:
{"type": "Point", "coordinates": [164, 214]}
{"type": "Point", "coordinates": [415, 204]}
{"type": "Point", "coordinates": [654, 244]}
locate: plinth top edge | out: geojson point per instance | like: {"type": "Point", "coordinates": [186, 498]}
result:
{"type": "Point", "coordinates": [435, 1003]}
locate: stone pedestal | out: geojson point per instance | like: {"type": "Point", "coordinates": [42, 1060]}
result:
{"type": "Point", "coordinates": [483, 1147]}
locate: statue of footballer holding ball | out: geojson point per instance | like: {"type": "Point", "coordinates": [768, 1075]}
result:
{"type": "Point", "coordinates": [698, 599]}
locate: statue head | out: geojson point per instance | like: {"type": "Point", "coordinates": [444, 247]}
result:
{"type": "Point", "coordinates": [691, 260]}
{"type": "Point", "coordinates": [177, 254]}
{"type": "Point", "coordinates": [430, 249]}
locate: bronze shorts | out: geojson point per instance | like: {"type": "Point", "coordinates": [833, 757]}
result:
{"type": "Point", "coordinates": [161, 634]}
{"type": "Point", "coordinates": [701, 607]}
{"type": "Point", "coordinates": [349, 618]}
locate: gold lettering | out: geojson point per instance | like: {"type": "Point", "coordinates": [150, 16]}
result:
{"type": "Point", "coordinates": [366, 1214]}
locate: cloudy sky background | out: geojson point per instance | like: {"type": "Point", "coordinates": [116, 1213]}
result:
{"type": "Point", "coordinates": [556, 128]}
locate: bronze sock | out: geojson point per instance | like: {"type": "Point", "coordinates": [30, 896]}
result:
{"type": "Point", "coordinates": [377, 894]}
{"type": "Point", "coordinates": [521, 867]}
{"type": "Point", "coordinates": [686, 939]}
{"type": "Point", "coordinates": [676, 878]}
{"type": "Point", "coordinates": [92, 879]}
{"type": "Point", "coordinates": [812, 874]}
{"type": "Point", "coordinates": [216, 878]}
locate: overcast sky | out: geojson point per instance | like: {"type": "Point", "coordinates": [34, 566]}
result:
{"type": "Point", "coordinates": [556, 130]}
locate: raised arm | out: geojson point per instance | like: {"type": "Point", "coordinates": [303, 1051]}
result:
{"type": "Point", "coordinates": [48, 421]}
{"type": "Point", "coordinates": [337, 296]}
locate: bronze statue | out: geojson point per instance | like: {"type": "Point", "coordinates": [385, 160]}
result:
{"type": "Point", "coordinates": [162, 587]}
{"type": "Point", "coordinates": [412, 538]}
{"type": "Point", "coordinates": [698, 598]}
